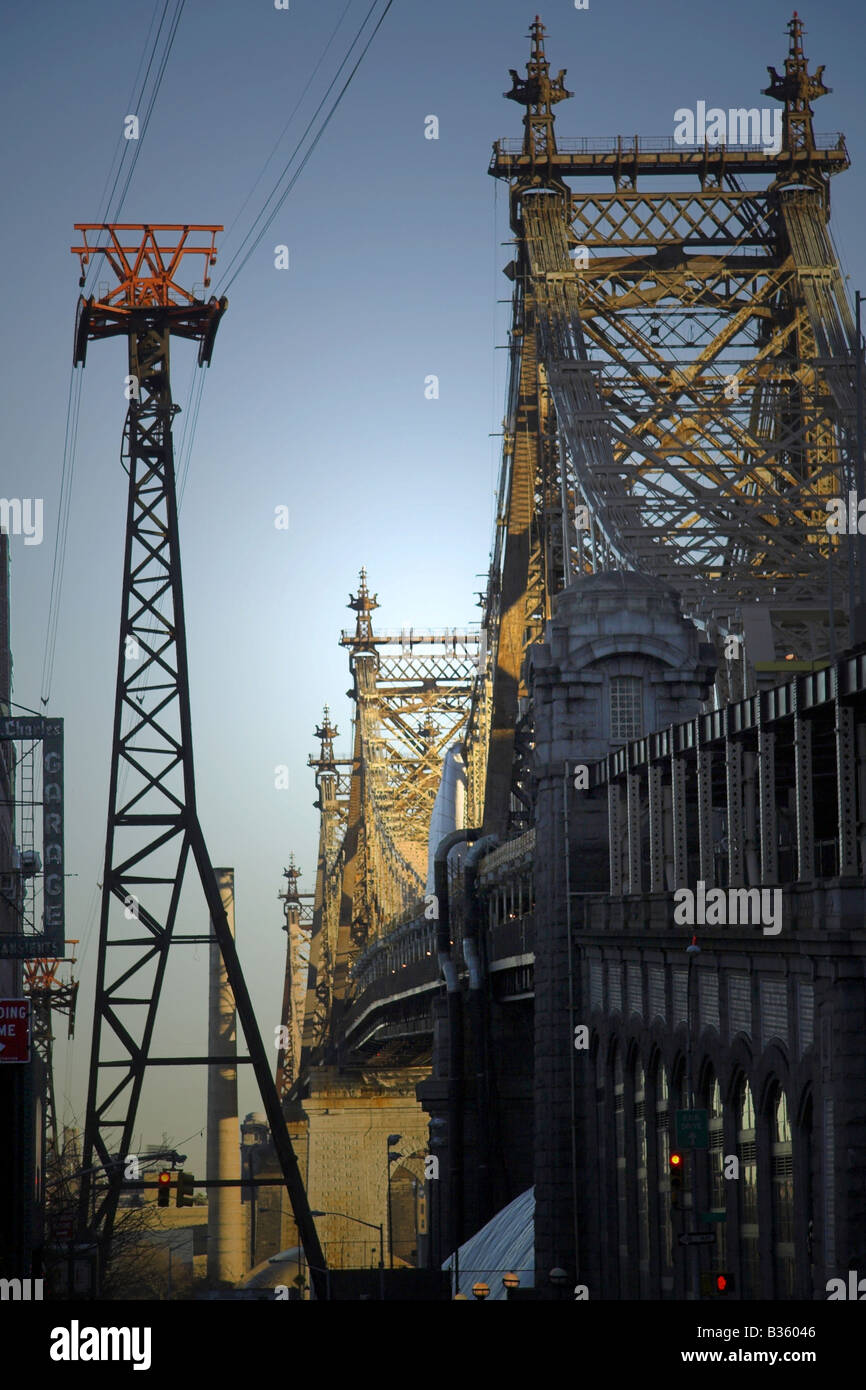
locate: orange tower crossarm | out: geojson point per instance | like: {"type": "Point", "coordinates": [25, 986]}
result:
{"type": "Point", "coordinates": [146, 269]}
{"type": "Point", "coordinates": [145, 259]}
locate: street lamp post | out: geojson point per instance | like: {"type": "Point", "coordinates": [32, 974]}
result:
{"type": "Point", "coordinates": [392, 1157]}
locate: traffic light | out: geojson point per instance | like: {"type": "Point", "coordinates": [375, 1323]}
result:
{"type": "Point", "coordinates": [185, 1185]}
{"type": "Point", "coordinates": [676, 1165]}
{"type": "Point", "coordinates": [717, 1284]}
{"type": "Point", "coordinates": [163, 1191]}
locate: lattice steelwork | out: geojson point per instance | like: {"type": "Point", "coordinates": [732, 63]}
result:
{"type": "Point", "coordinates": [682, 390]}
{"type": "Point", "coordinates": [50, 995]}
{"type": "Point", "coordinates": [153, 825]}
{"type": "Point", "coordinates": [412, 692]}
{"type": "Point", "coordinates": [681, 402]}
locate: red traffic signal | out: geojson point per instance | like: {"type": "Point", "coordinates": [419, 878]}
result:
{"type": "Point", "coordinates": [717, 1284]}
{"type": "Point", "coordinates": [676, 1166]}
{"type": "Point", "coordinates": [163, 1191]}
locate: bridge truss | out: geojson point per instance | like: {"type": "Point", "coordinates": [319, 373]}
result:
{"type": "Point", "coordinates": [682, 397]}
{"type": "Point", "coordinates": [412, 693]}
{"type": "Point", "coordinates": [682, 402]}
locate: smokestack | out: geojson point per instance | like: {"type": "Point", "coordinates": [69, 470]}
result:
{"type": "Point", "coordinates": [226, 1260]}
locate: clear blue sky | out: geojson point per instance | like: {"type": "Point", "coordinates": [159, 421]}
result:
{"type": "Point", "coordinates": [315, 398]}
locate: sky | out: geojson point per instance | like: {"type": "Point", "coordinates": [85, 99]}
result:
{"type": "Point", "coordinates": [315, 399]}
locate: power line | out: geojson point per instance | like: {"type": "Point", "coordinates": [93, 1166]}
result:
{"type": "Point", "coordinates": [134, 105]}
{"type": "Point", "coordinates": [197, 389]}
{"type": "Point", "coordinates": [269, 217]}
{"type": "Point", "coordinates": [292, 115]}
{"type": "Point", "coordinates": [145, 122]}
{"type": "Point", "coordinates": [74, 395]}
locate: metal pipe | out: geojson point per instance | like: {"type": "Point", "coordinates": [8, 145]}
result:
{"type": "Point", "coordinates": [860, 541]}
{"type": "Point", "coordinates": [448, 966]}
{"type": "Point", "coordinates": [478, 1040]}
{"type": "Point", "coordinates": [571, 1025]}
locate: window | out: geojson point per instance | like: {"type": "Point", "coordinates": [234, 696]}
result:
{"type": "Point", "coordinates": [783, 1196]}
{"type": "Point", "coordinates": [643, 1219]}
{"type": "Point", "coordinates": [621, 1176]}
{"type": "Point", "coordinates": [663, 1150]}
{"type": "Point", "coordinates": [716, 1154]}
{"type": "Point", "coordinates": [626, 707]}
{"type": "Point", "coordinates": [747, 1153]}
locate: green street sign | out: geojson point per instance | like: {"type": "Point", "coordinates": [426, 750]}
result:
{"type": "Point", "coordinates": [693, 1129]}
{"type": "Point", "coordinates": [713, 1215]}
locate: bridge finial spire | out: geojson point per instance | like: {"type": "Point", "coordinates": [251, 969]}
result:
{"type": "Point", "coordinates": [291, 900]}
{"type": "Point", "coordinates": [539, 93]}
{"type": "Point", "coordinates": [363, 603]}
{"type": "Point", "coordinates": [326, 732]}
{"type": "Point", "coordinates": [291, 874]}
{"type": "Point", "coordinates": [797, 88]}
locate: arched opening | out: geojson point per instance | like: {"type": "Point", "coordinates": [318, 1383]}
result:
{"type": "Point", "coordinates": [782, 1190]}
{"type": "Point", "coordinates": [641, 1158]}
{"type": "Point", "coordinates": [747, 1153]}
{"type": "Point", "coordinates": [663, 1152]}
{"type": "Point", "coordinates": [408, 1214]}
{"type": "Point", "coordinates": [803, 1159]}
{"type": "Point", "coordinates": [621, 1172]}
{"type": "Point", "coordinates": [716, 1185]}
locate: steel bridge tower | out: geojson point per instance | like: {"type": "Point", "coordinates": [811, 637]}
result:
{"type": "Point", "coordinates": [153, 823]}
{"type": "Point", "coordinates": [412, 692]}
{"type": "Point", "coordinates": [682, 396]}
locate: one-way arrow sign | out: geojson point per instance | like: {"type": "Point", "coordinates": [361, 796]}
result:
{"type": "Point", "coordinates": [697, 1238]}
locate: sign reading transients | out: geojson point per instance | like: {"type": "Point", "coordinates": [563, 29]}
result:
{"type": "Point", "coordinates": [51, 940]}
{"type": "Point", "coordinates": [14, 1030]}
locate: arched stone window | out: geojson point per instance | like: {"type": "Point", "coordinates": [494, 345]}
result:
{"type": "Point", "coordinates": [782, 1176]}
{"type": "Point", "coordinates": [621, 1172]}
{"type": "Point", "coordinates": [663, 1150]}
{"type": "Point", "coordinates": [717, 1186]}
{"type": "Point", "coordinates": [603, 1141]}
{"type": "Point", "coordinates": [747, 1152]}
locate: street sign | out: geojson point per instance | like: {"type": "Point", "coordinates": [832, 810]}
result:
{"type": "Point", "coordinates": [697, 1238]}
{"type": "Point", "coordinates": [693, 1129]}
{"type": "Point", "coordinates": [714, 1215]}
{"type": "Point", "coordinates": [14, 1030]}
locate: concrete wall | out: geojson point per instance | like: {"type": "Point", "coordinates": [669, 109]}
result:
{"type": "Point", "coordinates": [350, 1118]}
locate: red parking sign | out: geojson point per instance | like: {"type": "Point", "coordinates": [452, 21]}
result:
{"type": "Point", "coordinates": [14, 1030]}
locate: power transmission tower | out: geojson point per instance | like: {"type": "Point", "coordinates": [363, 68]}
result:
{"type": "Point", "coordinates": [153, 824]}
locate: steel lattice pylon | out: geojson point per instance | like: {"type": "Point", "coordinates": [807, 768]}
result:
{"type": "Point", "coordinates": [153, 825]}
{"type": "Point", "coordinates": [682, 397]}
{"type": "Point", "coordinates": [50, 996]}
